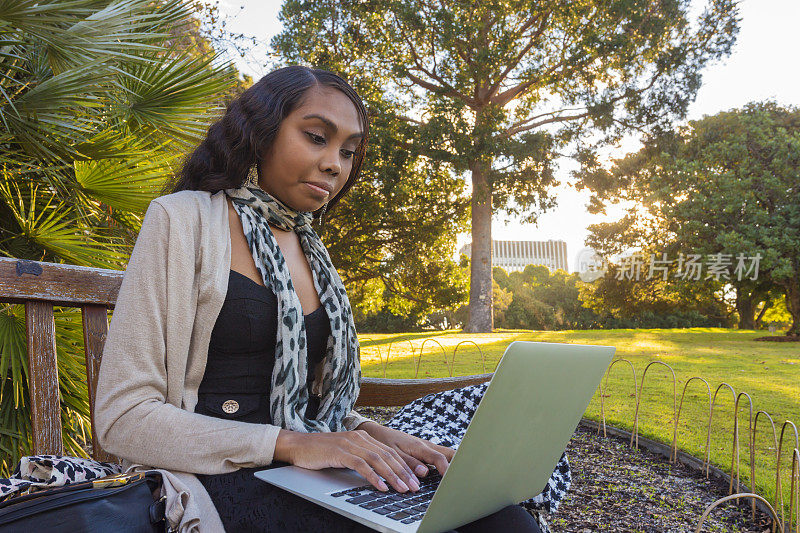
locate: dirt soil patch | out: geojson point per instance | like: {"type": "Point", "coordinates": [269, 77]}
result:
{"type": "Point", "coordinates": [616, 489]}
{"type": "Point", "coordinates": [779, 338]}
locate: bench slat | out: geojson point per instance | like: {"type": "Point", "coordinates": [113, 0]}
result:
{"type": "Point", "coordinates": [380, 392]}
{"type": "Point", "coordinates": [68, 285]}
{"type": "Point", "coordinates": [43, 379]}
{"type": "Point", "coordinates": [95, 329]}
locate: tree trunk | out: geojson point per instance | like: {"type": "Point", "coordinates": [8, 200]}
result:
{"type": "Point", "coordinates": [746, 307]}
{"type": "Point", "coordinates": [480, 284]}
{"type": "Point", "coordinates": [767, 304]}
{"type": "Point", "coordinates": [792, 291]}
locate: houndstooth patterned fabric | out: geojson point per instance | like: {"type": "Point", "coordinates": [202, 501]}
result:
{"type": "Point", "coordinates": [48, 471]}
{"type": "Point", "coordinates": [442, 418]}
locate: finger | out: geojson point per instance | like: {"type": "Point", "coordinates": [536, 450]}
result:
{"type": "Point", "coordinates": [420, 469]}
{"type": "Point", "coordinates": [393, 459]}
{"type": "Point", "coordinates": [376, 461]}
{"type": "Point", "coordinates": [398, 460]}
{"type": "Point", "coordinates": [358, 464]}
{"type": "Point", "coordinates": [447, 451]}
{"type": "Point", "coordinates": [425, 451]}
{"type": "Point", "coordinates": [398, 465]}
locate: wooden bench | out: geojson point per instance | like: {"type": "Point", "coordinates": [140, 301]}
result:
{"type": "Point", "coordinates": [40, 286]}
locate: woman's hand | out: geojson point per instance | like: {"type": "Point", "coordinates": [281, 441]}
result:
{"type": "Point", "coordinates": [414, 451]}
{"type": "Point", "coordinates": [356, 450]}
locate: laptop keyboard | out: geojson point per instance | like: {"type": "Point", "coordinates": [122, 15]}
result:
{"type": "Point", "coordinates": [405, 507]}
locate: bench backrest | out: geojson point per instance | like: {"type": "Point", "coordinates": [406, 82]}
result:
{"type": "Point", "coordinates": [40, 286]}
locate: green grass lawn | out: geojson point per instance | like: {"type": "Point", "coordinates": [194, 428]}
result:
{"type": "Point", "coordinates": [769, 372]}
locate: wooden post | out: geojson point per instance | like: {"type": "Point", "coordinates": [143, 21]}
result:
{"type": "Point", "coordinates": [95, 329]}
{"type": "Point", "coordinates": [43, 379]}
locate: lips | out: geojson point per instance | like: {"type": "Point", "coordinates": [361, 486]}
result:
{"type": "Point", "coordinates": [320, 187]}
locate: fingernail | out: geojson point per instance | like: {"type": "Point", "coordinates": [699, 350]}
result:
{"type": "Point", "coordinates": [421, 470]}
{"type": "Point", "coordinates": [382, 485]}
{"type": "Point", "coordinates": [403, 486]}
{"type": "Point", "coordinates": [413, 484]}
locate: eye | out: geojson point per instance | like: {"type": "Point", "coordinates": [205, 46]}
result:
{"type": "Point", "coordinates": [318, 139]}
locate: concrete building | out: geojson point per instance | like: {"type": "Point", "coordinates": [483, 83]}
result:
{"type": "Point", "coordinates": [516, 255]}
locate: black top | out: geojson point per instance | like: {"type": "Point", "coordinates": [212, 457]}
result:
{"type": "Point", "coordinates": [241, 353]}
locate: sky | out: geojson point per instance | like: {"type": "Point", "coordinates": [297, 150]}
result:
{"type": "Point", "coordinates": [762, 66]}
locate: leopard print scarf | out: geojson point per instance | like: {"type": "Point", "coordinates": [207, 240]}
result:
{"type": "Point", "coordinates": [341, 372]}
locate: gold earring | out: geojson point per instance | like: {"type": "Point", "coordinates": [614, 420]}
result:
{"type": "Point", "coordinates": [252, 177]}
{"type": "Point", "coordinates": [322, 214]}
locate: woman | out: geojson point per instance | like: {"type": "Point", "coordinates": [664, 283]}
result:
{"type": "Point", "coordinates": [232, 346]}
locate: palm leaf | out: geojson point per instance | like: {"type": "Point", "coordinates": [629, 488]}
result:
{"type": "Point", "coordinates": [75, 414]}
{"type": "Point", "coordinates": [124, 183]}
{"type": "Point", "coordinates": [95, 108]}
{"type": "Point", "coordinates": [55, 229]}
{"type": "Point", "coordinates": [14, 410]}
{"type": "Point", "coordinates": [45, 121]}
{"type": "Point", "coordinates": [31, 16]}
{"type": "Point", "coordinates": [115, 142]}
{"type": "Point", "coordinates": [75, 32]}
{"type": "Point", "coordinates": [171, 96]}
{"type": "Point", "coordinates": [122, 31]}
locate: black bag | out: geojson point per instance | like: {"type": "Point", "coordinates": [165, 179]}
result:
{"type": "Point", "coordinates": [122, 503]}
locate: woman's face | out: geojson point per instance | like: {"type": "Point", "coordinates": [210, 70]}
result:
{"type": "Point", "coordinates": [314, 145]}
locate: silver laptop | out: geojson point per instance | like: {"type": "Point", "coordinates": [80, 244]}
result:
{"type": "Point", "coordinates": [527, 416]}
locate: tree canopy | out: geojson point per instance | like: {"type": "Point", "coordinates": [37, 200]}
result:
{"type": "Point", "coordinates": [723, 186]}
{"type": "Point", "coordinates": [494, 89]}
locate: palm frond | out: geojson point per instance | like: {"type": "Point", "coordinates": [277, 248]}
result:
{"type": "Point", "coordinates": [13, 359]}
{"type": "Point", "coordinates": [122, 31]}
{"type": "Point", "coordinates": [78, 31]}
{"type": "Point", "coordinates": [31, 16]}
{"type": "Point", "coordinates": [171, 97]}
{"type": "Point", "coordinates": [56, 230]}
{"type": "Point", "coordinates": [127, 184]}
{"type": "Point", "coordinates": [116, 142]}
{"type": "Point", "coordinates": [72, 380]}
{"type": "Point", "coordinates": [45, 121]}
{"type": "Point", "coordinates": [96, 107]}
{"type": "Point", "coordinates": [14, 410]}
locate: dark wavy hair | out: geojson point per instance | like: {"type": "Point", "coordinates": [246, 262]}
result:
{"type": "Point", "coordinates": [249, 126]}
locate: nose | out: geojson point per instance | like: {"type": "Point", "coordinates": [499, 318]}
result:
{"type": "Point", "coordinates": [330, 162]}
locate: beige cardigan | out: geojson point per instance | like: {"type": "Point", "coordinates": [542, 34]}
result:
{"type": "Point", "coordinates": [155, 356]}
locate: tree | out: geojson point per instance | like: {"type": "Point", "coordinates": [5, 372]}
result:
{"type": "Point", "coordinates": [493, 88]}
{"type": "Point", "coordinates": [617, 296]}
{"type": "Point", "coordinates": [392, 237]}
{"type": "Point", "coordinates": [206, 33]}
{"type": "Point", "coordinates": [624, 294]}
{"type": "Point", "coordinates": [97, 105]}
{"type": "Point", "coordinates": [501, 299]}
{"type": "Point", "coordinates": [725, 184]}
{"type": "Point", "coordinates": [541, 299]}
